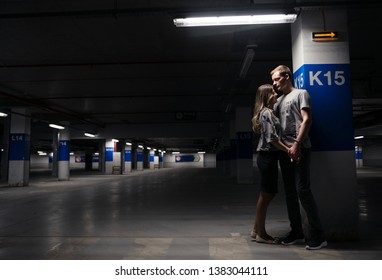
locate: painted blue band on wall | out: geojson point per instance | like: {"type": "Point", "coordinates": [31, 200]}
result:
{"type": "Point", "coordinates": [63, 150]}
{"type": "Point", "coordinates": [187, 158]}
{"type": "Point", "coordinates": [151, 158]}
{"type": "Point", "coordinates": [244, 145]}
{"type": "Point", "coordinates": [330, 89]}
{"type": "Point", "coordinates": [128, 155]}
{"type": "Point", "coordinates": [81, 159]}
{"type": "Point", "coordinates": [109, 153]}
{"type": "Point", "coordinates": [139, 157]}
{"type": "Point", "coordinates": [160, 158]}
{"type": "Point", "coordinates": [19, 146]}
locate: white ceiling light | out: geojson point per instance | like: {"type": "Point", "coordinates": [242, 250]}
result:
{"type": "Point", "coordinates": [235, 20]}
{"type": "Point", "coordinates": [3, 115]}
{"type": "Point", "coordinates": [89, 134]}
{"type": "Point", "coordinates": [56, 126]}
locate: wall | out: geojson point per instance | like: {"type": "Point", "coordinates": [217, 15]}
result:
{"type": "Point", "coordinates": [39, 162]}
{"type": "Point", "coordinates": [372, 155]}
{"type": "Point", "coordinates": [42, 162]}
{"type": "Point", "coordinates": [210, 160]}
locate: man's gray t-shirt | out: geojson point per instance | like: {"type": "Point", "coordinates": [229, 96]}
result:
{"type": "Point", "coordinates": [288, 110]}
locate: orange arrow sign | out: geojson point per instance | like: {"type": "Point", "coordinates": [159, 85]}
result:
{"type": "Point", "coordinates": [324, 36]}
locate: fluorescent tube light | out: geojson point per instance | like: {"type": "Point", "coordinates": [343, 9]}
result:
{"type": "Point", "coordinates": [128, 144]}
{"type": "Point", "coordinates": [89, 134]}
{"type": "Point", "coordinates": [3, 115]}
{"type": "Point", "coordinates": [56, 126]}
{"type": "Point", "coordinates": [249, 55]}
{"type": "Point", "coordinates": [175, 153]}
{"type": "Point", "coordinates": [201, 152]}
{"type": "Point", "coordinates": [359, 137]}
{"type": "Point", "coordinates": [235, 20]}
{"type": "Point", "coordinates": [140, 146]}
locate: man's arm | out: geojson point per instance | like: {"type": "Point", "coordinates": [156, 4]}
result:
{"type": "Point", "coordinates": [303, 131]}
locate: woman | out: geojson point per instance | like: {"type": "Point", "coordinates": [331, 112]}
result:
{"type": "Point", "coordinates": [267, 125]}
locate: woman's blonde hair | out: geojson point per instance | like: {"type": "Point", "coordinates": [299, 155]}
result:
{"type": "Point", "coordinates": [264, 95]}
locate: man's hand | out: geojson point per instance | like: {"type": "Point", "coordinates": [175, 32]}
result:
{"type": "Point", "coordinates": [294, 152]}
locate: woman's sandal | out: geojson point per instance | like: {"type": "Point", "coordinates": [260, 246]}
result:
{"type": "Point", "coordinates": [259, 239]}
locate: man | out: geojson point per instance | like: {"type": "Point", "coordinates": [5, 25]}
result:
{"type": "Point", "coordinates": [294, 111]}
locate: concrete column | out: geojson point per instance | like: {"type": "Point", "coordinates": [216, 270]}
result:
{"type": "Point", "coordinates": [19, 148]}
{"type": "Point", "coordinates": [121, 149]}
{"type": "Point", "coordinates": [128, 158]}
{"type": "Point", "coordinates": [109, 151]}
{"type": "Point", "coordinates": [160, 155]}
{"type": "Point", "coordinates": [64, 154]}
{"type": "Point", "coordinates": [101, 156]}
{"type": "Point", "coordinates": [139, 158]}
{"type": "Point", "coordinates": [223, 151]}
{"type": "Point", "coordinates": [88, 160]}
{"type": "Point", "coordinates": [244, 152]}
{"type": "Point", "coordinates": [53, 160]}
{"type": "Point", "coordinates": [359, 156]}
{"type": "Point", "coordinates": [5, 150]}
{"type": "Point", "coordinates": [151, 159]}
{"type": "Point", "coordinates": [233, 149]}
{"type": "Point", "coordinates": [323, 69]}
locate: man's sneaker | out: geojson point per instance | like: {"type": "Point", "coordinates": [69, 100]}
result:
{"type": "Point", "coordinates": [293, 238]}
{"type": "Point", "coordinates": [316, 244]}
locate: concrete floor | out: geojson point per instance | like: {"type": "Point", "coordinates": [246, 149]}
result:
{"type": "Point", "coordinates": [166, 214]}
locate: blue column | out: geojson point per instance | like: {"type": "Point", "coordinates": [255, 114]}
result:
{"type": "Point", "coordinates": [323, 69]}
{"type": "Point", "coordinates": [19, 148]}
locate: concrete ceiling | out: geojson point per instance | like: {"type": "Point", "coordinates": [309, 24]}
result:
{"type": "Point", "coordinates": [121, 69]}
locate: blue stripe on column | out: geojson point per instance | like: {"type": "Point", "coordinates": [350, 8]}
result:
{"type": "Point", "coordinates": [109, 153]}
{"type": "Point", "coordinates": [19, 146]}
{"type": "Point", "coordinates": [329, 86]}
{"type": "Point", "coordinates": [128, 155]}
{"type": "Point", "coordinates": [63, 150]}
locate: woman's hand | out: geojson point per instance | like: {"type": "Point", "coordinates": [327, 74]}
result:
{"type": "Point", "coordinates": [294, 152]}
